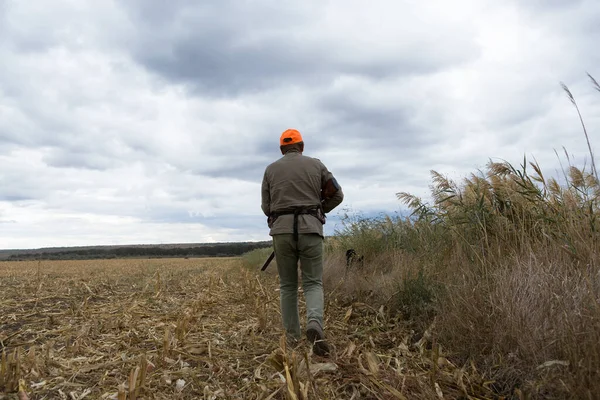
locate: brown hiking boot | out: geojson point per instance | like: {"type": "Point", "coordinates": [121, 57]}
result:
{"type": "Point", "coordinates": [315, 336]}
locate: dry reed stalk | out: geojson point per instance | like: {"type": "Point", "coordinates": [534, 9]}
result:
{"type": "Point", "coordinates": [134, 383]}
{"type": "Point", "coordinates": [572, 99]}
{"type": "Point", "coordinates": [22, 393]}
{"type": "Point", "coordinates": [166, 347]}
{"type": "Point", "coordinates": [260, 308]}
{"type": "Point", "coordinates": [122, 392]}
{"type": "Point", "coordinates": [3, 369]}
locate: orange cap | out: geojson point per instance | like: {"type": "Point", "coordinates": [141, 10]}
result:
{"type": "Point", "coordinates": [290, 136]}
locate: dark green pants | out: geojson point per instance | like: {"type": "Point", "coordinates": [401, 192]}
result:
{"type": "Point", "coordinates": [309, 251]}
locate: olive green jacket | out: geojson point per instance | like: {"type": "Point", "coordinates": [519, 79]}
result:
{"type": "Point", "coordinates": [295, 181]}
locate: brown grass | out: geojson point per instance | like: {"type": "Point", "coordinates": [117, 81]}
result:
{"type": "Point", "coordinates": [198, 329]}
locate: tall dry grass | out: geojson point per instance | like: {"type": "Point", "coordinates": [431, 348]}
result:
{"type": "Point", "coordinates": [505, 262]}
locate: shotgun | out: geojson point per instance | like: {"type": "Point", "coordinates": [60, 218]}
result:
{"type": "Point", "coordinates": [266, 264]}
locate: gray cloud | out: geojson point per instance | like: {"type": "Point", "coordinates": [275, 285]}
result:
{"type": "Point", "coordinates": [260, 45]}
{"type": "Point", "coordinates": [13, 197]}
{"type": "Point", "coordinates": [249, 170]}
{"type": "Point", "coordinates": [549, 6]}
{"type": "Point", "coordinates": [65, 158]}
{"type": "Point", "coordinates": [357, 123]}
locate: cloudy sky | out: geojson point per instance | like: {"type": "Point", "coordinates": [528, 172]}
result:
{"type": "Point", "coordinates": [149, 121]}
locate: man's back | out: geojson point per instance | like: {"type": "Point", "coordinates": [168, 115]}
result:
{"type": "Point", "coordinates": [294, 181]}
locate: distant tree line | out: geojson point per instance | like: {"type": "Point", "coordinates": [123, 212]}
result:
{"type": "Point", "coordinates": [204, 250]}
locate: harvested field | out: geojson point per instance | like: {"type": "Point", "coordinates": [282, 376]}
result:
{"type": "Point", "coordinates": [198, 329]}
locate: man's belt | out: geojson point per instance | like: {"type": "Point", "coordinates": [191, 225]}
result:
{"type": "Point", "coordinates": [315, 211]}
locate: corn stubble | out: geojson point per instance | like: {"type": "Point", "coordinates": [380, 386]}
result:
{"type": "Point", "coordinates": [206, 329]}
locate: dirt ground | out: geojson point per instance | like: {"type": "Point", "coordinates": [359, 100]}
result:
{"type": "Point", "coordinates": [198, 329]}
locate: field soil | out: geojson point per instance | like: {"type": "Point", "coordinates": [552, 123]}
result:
{"type": "Point", "coordinates": [200, 329]}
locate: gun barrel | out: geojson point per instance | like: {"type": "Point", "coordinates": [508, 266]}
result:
{"type": "Point", "coordinates": [266, 264]}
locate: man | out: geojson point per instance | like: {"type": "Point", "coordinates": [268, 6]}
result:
{"type": "Point", "coordinates": [297, 191]}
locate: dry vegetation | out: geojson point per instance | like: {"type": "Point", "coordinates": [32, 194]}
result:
{"type": "Point", "coordinates": [505, 265]}
{"type": "Point", "coordinates": [197, 329]}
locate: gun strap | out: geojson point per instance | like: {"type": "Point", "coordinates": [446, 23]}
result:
{"type": "Point", "coordinates": [296, 213]}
